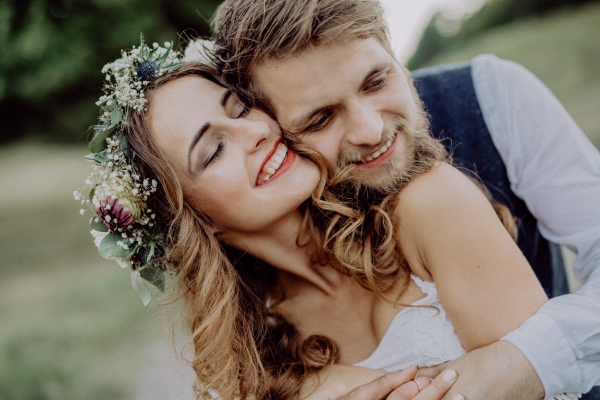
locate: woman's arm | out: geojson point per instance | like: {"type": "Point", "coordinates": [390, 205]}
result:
{"type": "Point", "coordinates": [450, 234]}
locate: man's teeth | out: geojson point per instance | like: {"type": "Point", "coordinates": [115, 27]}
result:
{"type": "Point", "coordinates": [380, 151]}
{"type": "Point", "coordinates": [273, 164]}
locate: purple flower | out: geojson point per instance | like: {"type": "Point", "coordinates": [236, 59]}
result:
{"type": "Point", "coordinates": [114, 214]}
{"type": "Point", "coordinates": [118, 204]}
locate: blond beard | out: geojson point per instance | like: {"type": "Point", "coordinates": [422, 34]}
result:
{"type": "Point", "coordinates": [422, 153]}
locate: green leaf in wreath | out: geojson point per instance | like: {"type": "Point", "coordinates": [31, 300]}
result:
{"type": "Point", "coordinates": [98, 225]}
{"type": "Point", "coordinates": [92, 194]}
{"type": "Point", "coordinates": [140, 288]}
{"type": "Point", "coordinates": [99, 142]}
{"type": "Point", "coordinates": [155, 276]}
{"type": "Point", "coordinates": [97, 158]}
{"type": "Point", "coordinates": [109, 247]}
{"type": "Point", "coordinates": [116, 115]}
{"type": "Point", "coordinates": [125, 145]}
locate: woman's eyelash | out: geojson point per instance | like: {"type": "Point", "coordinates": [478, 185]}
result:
{"type": "Point", "coordinates": [215, 155]}
{"type": "Point", "coordinates": [245, 111]}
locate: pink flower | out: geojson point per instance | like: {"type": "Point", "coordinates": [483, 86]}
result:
{"type": "Point", "coordinates": [117, 205]}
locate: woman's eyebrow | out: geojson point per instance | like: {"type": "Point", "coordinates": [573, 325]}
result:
{"type": "Point", "coordinates": [202, 130]}
{"type": "Point", "coordinates": [225, 97]}
{"type": "Point", "coordinates": [195, 141]}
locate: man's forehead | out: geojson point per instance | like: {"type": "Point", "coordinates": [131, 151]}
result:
{"type": "Point", "coordinates": [317, 77]}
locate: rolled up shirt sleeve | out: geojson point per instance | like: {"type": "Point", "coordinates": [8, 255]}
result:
{"type": "Point", "coordinates": [555, 169]}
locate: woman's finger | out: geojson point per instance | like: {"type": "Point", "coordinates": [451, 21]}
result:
{"type": "Point", "coordinates": [434, 390]}
{"type": "Point", "coordinates": [381, 387]}
{"type": "Point", "coordinates": [410, 389]}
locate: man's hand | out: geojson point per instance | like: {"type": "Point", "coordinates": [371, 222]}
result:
{"type": "Point", "coordinates": [391, 386]}
{"type": "Point", "coordinates": [495, 372]}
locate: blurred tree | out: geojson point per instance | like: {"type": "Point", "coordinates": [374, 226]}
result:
{"type": "Point", "coordinates": [52, 51]}
{"type": "Point", "coordinates": [441, 34]}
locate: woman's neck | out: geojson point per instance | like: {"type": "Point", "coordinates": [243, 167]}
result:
{"type": "Point", "coordinates": [277, 245]}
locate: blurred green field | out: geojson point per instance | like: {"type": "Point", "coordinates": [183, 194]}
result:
{"type": "Point", "coordinates": [562, 49]}
{"type": "Point", "coordinates": [72, 326]}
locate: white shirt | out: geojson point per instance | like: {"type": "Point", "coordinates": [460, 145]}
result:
{"type": "Point", "coordinates": [555, 169]}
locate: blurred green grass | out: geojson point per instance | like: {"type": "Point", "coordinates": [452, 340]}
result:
{"type": "Point", "coordinates": [562, 49]}
{"type": "Point", "coordinates": [72, 326]}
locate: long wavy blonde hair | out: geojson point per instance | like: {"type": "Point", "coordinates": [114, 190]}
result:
{"type": "Point", "coordinates": [241, 347]}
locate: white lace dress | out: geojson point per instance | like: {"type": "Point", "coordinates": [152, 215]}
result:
{"type": "Point", "coordinates": [417, 336]}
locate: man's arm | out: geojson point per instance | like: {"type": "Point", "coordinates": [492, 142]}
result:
{"type": "Point", "coordinates": [340, 382]}
{"type": "Point", "coordinates": [555, 169]}
{"type": "Point", "coordinates": [495, 372]}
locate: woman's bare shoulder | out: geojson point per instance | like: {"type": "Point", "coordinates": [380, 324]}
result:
{"type": "Point", "coordinates": [433, 207]}
{"type": "Point", "coordinates": [443, 182]}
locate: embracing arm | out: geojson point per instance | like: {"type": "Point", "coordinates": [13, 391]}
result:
{"type": "Point", "coordinates": [346, 382]}
{"type": "Point", "coordinates": [450, 234]}
{"type": "Point", "coordinates": [555, 169]}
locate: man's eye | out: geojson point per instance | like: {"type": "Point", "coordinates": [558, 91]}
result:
{"type": "Point", "coordinates": [321, 123]}
{"type": "Point", "coordinates": [377, 83]}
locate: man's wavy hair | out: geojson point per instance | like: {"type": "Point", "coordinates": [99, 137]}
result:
{"type": "Point", "coordinates": [249, 32]}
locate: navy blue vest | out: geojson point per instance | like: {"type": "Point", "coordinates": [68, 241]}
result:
{"type": "Point", "coordinates": [449, 98]}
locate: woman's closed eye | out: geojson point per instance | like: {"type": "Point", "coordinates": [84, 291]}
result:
{"type": "Point", "coordinates": [244, 111]}
{"type": "Point", "coordinates": [237, 109]}
{"type": "Point", "coordinates": [215, 155]}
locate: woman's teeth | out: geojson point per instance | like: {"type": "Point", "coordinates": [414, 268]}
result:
{"type": "Point", "coordinates": [381, 150]}
{"type": "Point", "coordinates": [273, 164]}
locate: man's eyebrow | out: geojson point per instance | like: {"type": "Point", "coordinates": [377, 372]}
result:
{"type": "Point", "coordinates": [298, 124]}
{"type": "Point", "coordinates": [195, 141]}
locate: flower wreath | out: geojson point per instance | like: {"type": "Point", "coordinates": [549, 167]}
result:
{"type": "Point", "coordinates": [123, 227]}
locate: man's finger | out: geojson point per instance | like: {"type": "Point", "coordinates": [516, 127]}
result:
{"type": "Point", "coordinates": [380, 388]}
{"type": "Point", "coordinates": [434, 391]}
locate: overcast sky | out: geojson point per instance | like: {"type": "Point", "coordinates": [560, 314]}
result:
{"type": "Point", "coordinates": [408, 18]}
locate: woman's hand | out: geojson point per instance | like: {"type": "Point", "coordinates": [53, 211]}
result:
{"type": "Point", "coordinates": [391, 386]}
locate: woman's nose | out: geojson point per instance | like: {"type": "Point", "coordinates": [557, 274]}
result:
{"type": "Point", "coordinates": [251, 132]}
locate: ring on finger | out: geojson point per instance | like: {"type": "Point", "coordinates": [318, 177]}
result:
{"type": "Point", "coordinates": [418, 385]}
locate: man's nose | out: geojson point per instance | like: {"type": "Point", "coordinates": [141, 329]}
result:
{"type": "Point", "coordinates": [366, 125]}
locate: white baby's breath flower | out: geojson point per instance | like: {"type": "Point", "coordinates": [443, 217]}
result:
{"type": "Point", "coordinates": [199, 51]}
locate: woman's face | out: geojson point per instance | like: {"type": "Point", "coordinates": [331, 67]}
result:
{"type": "Point", "coordinates": [229, 161]}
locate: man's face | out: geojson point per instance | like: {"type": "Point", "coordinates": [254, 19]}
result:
{"type": "Point", "coordinates": [351, 102]}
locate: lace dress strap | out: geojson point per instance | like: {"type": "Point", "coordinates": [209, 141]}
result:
{"type": "Point", "coordinates": [428, 289]}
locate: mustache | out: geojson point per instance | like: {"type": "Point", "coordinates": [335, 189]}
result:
{"type": "Point", "coordinates": [358, 156]}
